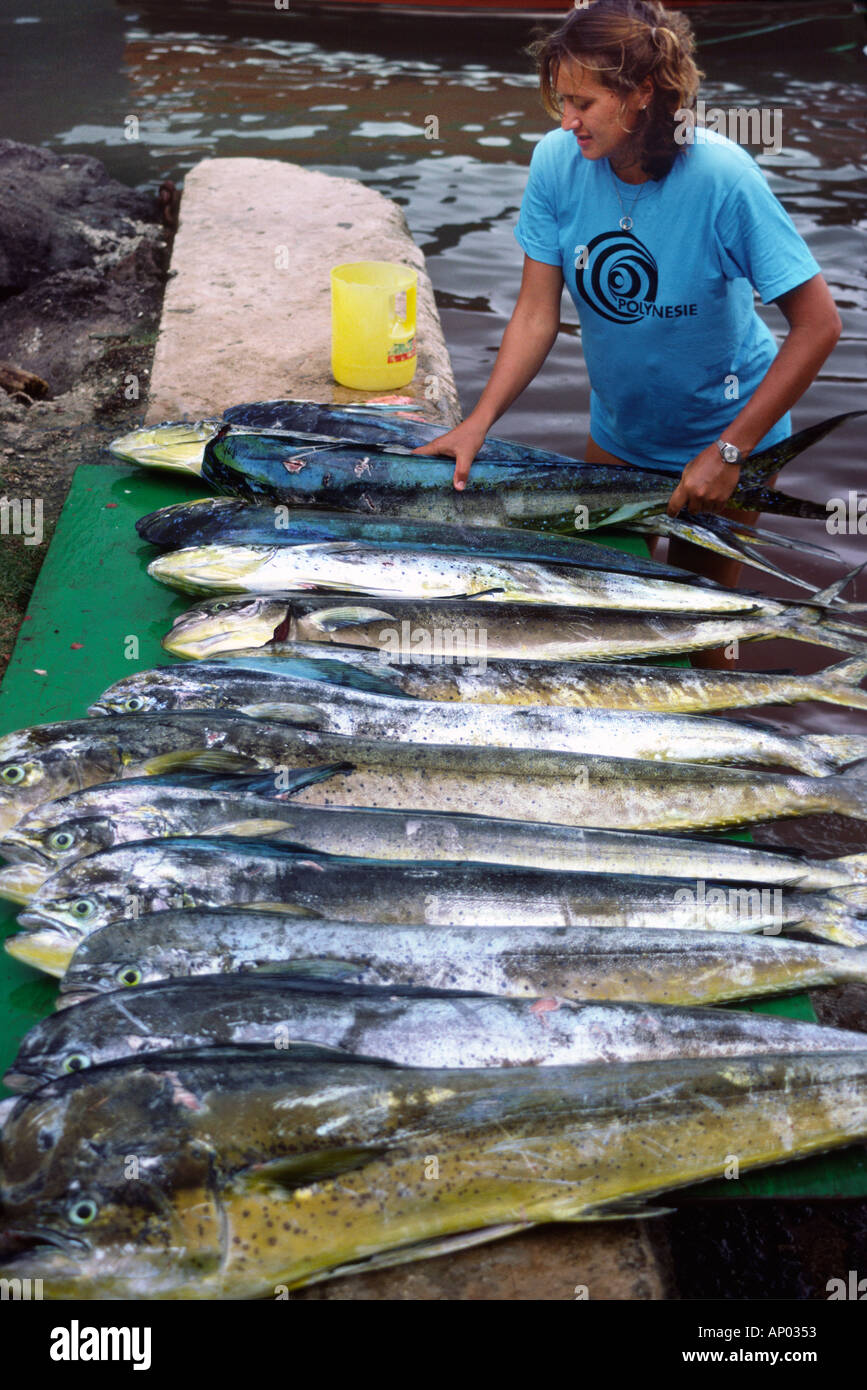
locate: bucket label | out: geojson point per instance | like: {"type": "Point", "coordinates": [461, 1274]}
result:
{"type": "Point", "coordinates": [402, 352]}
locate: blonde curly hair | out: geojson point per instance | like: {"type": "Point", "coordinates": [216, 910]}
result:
{"type": "Point", "coordinates": [623, 42]}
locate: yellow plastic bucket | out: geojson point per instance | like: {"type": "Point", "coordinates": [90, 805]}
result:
{"type": "Point", "coordinates": [373, 324]}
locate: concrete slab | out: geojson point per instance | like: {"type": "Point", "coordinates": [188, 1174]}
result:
{"type": "Point", "coordinates": [247, 311]}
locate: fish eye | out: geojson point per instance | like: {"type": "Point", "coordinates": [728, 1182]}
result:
{"type": "Point", "coordinates": [76, 1061]}
{"type": "Point", "coordinates": [82, 1212]}
{"type": "Point", "coordinates": [13, 774]}
{"type": "Point", "coordinates": [220, 605]}
{"type": "Point", "coordinates": [130, 975]}
{"type": "Point", "coordinates": [134, 704]}
{"type": "Point", "coordinates": [83, 908]}
{"type": "Point", "coordinates": [61, 839]}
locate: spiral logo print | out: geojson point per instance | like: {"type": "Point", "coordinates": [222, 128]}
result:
{"type": "Point", "coordinates": [618, 276]}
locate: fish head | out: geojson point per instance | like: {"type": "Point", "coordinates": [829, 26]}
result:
{"type": "Point", "coordinates": [94, 1199]}
{"type": "Point", "coordinates": [133, 695]}
{"type": "Point", "coordinates": [177, 446]}
{"type": "Point", "coordinates": [64, 1043]}
{"type": "Point", "coordinates": [45, 762]}
{"type": "Point", "coordinates": [84, 980]}
{"type": "Point", "coordinates": [226, 625]}
{"type": "Point", "coordinates": [51, 838]}
{"type": "Point", "coordinates": [198, 569]}
{"type": "Point", "coordinates": [118, 884]}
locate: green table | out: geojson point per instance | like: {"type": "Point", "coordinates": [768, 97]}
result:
{"type": "Point", "coordinates": [96, 616]}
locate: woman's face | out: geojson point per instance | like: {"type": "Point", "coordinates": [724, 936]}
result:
{"type": "Point", "coordinates": [596, 115]}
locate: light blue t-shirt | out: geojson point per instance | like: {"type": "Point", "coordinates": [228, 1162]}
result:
{"type": "Point", "coordinates": [666, 308]}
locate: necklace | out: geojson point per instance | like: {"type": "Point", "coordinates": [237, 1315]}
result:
{"type": "Point", "coordinates": [626, 222]}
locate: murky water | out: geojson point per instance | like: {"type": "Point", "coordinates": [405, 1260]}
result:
{"type": "Point", "coordinates": [354, 96]}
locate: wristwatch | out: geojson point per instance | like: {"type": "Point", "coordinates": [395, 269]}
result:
{"type": "Point", "coordinates": [730, 452]}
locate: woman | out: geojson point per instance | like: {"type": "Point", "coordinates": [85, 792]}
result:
{"type": "Point", "coordinates": [661, 230]}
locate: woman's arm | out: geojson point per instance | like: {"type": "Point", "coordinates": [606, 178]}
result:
{"type": "Point", "coordinates": [707, 482]}
{"type": "Point", "coordinates": [528, 339]}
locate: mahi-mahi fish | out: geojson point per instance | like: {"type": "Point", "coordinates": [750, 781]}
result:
{"type": "Point", "coordinates": [472, 631]}
{"type": "Point", "coordinates": [644, 965]}
{"type": "Point", "coordinates": [208, 872]}
{"type": "Point", "coordinates": [249, 683]}
{"type": "Point", "coordinates": [259, 1172]}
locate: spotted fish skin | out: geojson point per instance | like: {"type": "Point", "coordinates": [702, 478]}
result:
{"type": "Point", "coordinates": [235, 682]}
{"type": "Point", "coordinates": [422, 1028]}
{"type": "Point", "coordinates": [158, 875]}
{"type": "Point", "coordinates": [258, 1171]}
{"type": "Point", "coordinates": [591, 963]}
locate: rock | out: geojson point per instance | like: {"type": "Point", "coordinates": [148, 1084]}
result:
{"type": "Point", "coordinates": [81, 256]}
{"type": "Point", "coordinates": [61, 213]}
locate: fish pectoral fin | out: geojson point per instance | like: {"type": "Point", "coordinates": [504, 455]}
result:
{"type": "Point", "coordinates": [286, 908]}
{"type": "Point", "coordinates": [422, 1250]}
{"type": "Point", "coordinates": [301, 1170]}
{"type": "Point", "coordinates": [249, 829]}
{"type": "Point", "coordinates": [301, 716]}
{"type": "Point", "coordinates": [331, 619]}
{"type": "Point", "coordinates": [620, 1209]}
{"type": "Point", "coordinates": [208, 759]}
{"type": "Point", "coordinates": [313, 969]}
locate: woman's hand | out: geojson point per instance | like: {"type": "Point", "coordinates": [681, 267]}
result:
{"type": "Point", "coordinates": [706, 484]}
{"type": "Point", "coordinates": [462, 444]}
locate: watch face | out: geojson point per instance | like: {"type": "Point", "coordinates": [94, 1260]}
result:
{"type": "Point", "coordinates": [730, 453]}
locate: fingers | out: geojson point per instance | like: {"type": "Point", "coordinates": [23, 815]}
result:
{"type": "Point", "coordinates": [462, 469]}
{"type": "Point", "coordinates": [677, 501]}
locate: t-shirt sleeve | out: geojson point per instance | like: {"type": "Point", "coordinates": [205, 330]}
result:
{"type": "Point", "coordinates": [537, 231]}
{"type": "Point", "coordinates": [757, 239]}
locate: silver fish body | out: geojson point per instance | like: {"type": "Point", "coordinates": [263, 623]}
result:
{"type": "Point", "coordinates": [154, 876]}
{"type": "Point", "coordinates": [590, 963]}
{"type": "Point", "coordinates": [59, 833]}
{"type": "Point", "coordinates": [243, 681]}
{"type": "Point", "coordinates": [613, 733]}
{"type": "Point", "coordinates": [355, 567]}
{"type": "Point", "coordinates": [412, 1029]}
{"type": "Point", "coordinates": [472, 631]}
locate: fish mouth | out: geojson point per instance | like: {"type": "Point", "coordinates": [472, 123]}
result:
{"type": "Point", "coordinates": [68, 998]}
{"type": "Point", "coordinates": [99, 708]}
{"type": "Point", "coordinates": [34, 1241]}
{"type": "Point", "coordinates": [19, 882]}
{"type": "Point", "coordinates": [22, 1078]}
{"type": "Point", "coordinates": [36, 920]}
{"type": "Point", "coordinates": [17, 847]}
{"type": "Point", "coordinates": [192, 643]}
{"type": "Point", "coordinates": [44, 950]}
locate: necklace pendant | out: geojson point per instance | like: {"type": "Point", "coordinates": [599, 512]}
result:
{"type": "Point", "coordinates": [626, 224]}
